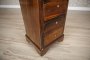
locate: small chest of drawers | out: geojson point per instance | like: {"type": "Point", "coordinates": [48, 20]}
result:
{"type": "Point", "coordinates": [44, 21]}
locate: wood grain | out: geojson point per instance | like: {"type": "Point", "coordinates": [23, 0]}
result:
{"type": "Point", "coordinates": [54, 8]}
{"type": "Point", "coordinates": [13, 45]}
{"type": "Point", "coordinates": [30, 12]}
{"type": "Point", "coordinates": [34, 12]}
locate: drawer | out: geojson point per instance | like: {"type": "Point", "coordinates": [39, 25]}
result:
{"type": "Point", "coordinates": [54, 9]}
{"type": "Point", "coordinates": [51, 10]}
{"type": "Point", "coordinates": [54, 24]}
{"type": "Point", "coordinates": [50, 37]}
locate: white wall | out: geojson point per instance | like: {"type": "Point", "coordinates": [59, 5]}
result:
{"type": "Point", "coordinates": [9, 2]}
{"type": "Point", "coordinates": [76, 3]}
{"type": "Point", "coordinates": [79, 3]}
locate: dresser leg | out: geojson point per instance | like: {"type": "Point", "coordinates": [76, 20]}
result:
{"type": "Point", "coordinates": [41, 51]}
{"type": "Point", "coordinates": [61, 38]}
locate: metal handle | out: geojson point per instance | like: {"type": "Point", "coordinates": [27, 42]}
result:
{"type": "Point", "coordinates": [56, 22]}
{"type": "Point", "coordinates": [58, 6]}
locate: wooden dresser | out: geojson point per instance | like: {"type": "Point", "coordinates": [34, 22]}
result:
{"type": "Point", "coordinates": [44, 22]}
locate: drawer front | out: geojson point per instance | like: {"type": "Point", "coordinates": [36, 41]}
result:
{"type": "Point", "coordinates": [54, 24]}
{"type": "Point", "coordinates": [50, 37]}
{"type": "Point", "coordinates": [53, 9]}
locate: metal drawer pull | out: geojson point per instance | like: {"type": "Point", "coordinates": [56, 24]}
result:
{"type": "Point", "coordinates": [56, 22]}
{"type": "Point", "coordinates": [58, 6]}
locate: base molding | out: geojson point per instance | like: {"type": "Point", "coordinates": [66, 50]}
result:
{"type": "Point", "coordinates": [79, 8]}
{"type": "Point", "coordinates": [43, 51]}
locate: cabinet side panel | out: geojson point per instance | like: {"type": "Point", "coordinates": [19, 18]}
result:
{"type": "Point", "coordinates": [30, 12]}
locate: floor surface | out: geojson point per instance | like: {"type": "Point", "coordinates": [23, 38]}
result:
{"type": "Point", "coordinates": [13, 45]}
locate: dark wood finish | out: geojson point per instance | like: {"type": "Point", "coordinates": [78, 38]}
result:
{"type": "Point", "coordinates": [45, 49]}
{"type": "Point", "coordinates": [51, 36]}
{"type": "Point", "coordinates": [54, 23]}
{"type": "Point", "coordinates": [54, 9]}
{"type": "Point", "coordinates": [30, 11]}
{"type": "Point", "coordinates": [44, 21]}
